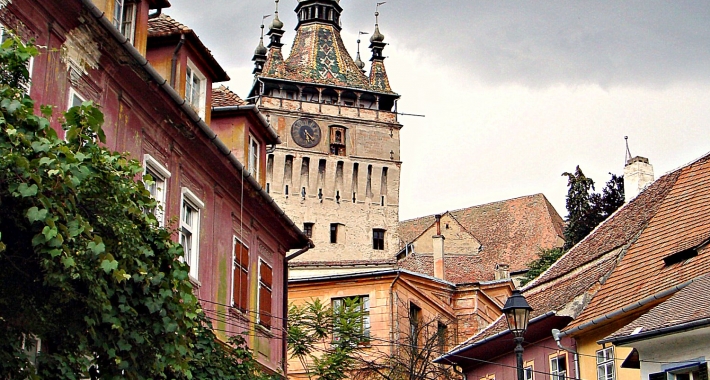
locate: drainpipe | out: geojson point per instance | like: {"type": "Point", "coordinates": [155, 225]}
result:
{"type": "Point", "coordinates": [392, 313]}
{"type": "Point", "coordinates": [173, 61]}
{"type": "Point", "coordinates": [556, 336]}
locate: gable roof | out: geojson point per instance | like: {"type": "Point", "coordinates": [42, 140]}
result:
{"type": "Point", "coordinates": [511, 231]}
{"type": "Point", "coordinates": [222, 96]}
{"type": "Point", "coordinates": [165, 26]}
{"type": "Point", "coordinates": [680, 220]}
{"type": "Point", "coordinates": [687, 309]}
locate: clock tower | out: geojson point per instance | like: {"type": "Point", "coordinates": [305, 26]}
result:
{"type": "Point", "coordinates": [336, 174]}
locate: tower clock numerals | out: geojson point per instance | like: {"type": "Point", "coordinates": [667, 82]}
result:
{"type": "Point", "coordinates": [306, 132]}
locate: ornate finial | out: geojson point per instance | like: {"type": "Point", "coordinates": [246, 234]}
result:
{"type": "Point", "coordinates": [377, 36]}
{"type": "Point", "coordinates": [276, 23]}
{"type": "Point", "coordinates": [261, 49]}
{"type": "Point", "coordinates": [358, 61]}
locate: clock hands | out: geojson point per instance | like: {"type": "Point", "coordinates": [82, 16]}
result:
{"type": "Point", "coordinates": [308, 136]}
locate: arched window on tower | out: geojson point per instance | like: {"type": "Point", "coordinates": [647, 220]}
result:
{"type": "Point", "coordinates": [337, 140]}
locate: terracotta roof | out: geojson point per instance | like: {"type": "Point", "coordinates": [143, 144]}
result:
{"type": "Point", "coordinates": [164, 26]}
{"type": "Point", "coordinates": [690, 304]}
{"type": "Point", "coordinates": [459, 269]}
{"type": "Point", "coordinates": [681, 221]}
{"type": "Point", "coordinates": [319, 56]}
{"type": "Point", "coordinates": [224, 97]}
{"type": "Point", "coordinates": [565, 295]}
{"type": "Point", "coordinates": [511, 231]}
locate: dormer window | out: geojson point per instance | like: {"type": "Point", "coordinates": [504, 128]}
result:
{"type": "Point", "coordinates": [124, 18]}
{"type": "Point", "coordinates": [195, 88]}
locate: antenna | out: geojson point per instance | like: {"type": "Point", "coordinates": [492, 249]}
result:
{"type": "Point", "coordinates": [628, 152]}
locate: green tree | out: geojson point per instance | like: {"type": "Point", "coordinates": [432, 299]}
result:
{"type": "Point", "coordinates": [85, 271]}
{"type": "Point", "coordinates": [326, 340]}
{"type": "Point", "coordinates": [546, 257]}
{"type": "Point", "coordinates": [579, 211]}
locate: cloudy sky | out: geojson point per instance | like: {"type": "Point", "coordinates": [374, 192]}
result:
{"type": "Point", "coordinates": [514, 92]}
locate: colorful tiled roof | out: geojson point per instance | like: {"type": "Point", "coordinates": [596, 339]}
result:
{"type": "Point", "coordinates": [164, 26]}
{"type": "Point", "coordinates": [690, 304]}
{"type": "Point", "coordinates": [458, 269]}
{"type": "Point", "coordinates": [224, 97]}
{"type": "Point", "coordinates": [319, 56]}
{"type": "Point", "coordinates": [680, 220]}
{"type": "Point", "coordinates": [511, 231]}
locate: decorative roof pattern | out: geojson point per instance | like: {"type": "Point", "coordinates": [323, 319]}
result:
{"type": "Point", "coordinates": [511, 231]}
{"type": "Point", "coordinates": [690, 304]}
{"type": "Point", "coordinates": [378, 77]}
{"type": "Point", "coordinates": [681, 221]}
{"type": "Point", "coordinates": [319, 56]}
{"type": "Point", "coordinates": [224, 97]}
{"type": "Point", "coordinates": [458, 269]}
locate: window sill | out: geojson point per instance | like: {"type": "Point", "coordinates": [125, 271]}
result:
{"type": "Point", "coordinates": [238, 313]}
{"type": "Point", "coordinates": [264, 330]}
{"type": "Point", "coordinates": [195, 282]}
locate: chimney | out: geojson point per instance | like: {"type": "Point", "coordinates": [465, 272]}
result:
{"type": "Point", "coordinates": [638, 174]}
{"type": "Point", "coordinates": [438, 242]}
{"type": "Point", "coordinates": [502, 271]}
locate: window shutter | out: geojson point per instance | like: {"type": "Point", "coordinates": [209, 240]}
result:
{"type": "Point", "coordinates": [240, 282]}
{"type": "Point", "coordinates": [703, 371]}
{"type": "Point", "coordinates": [265, 281]}
{"type": "Point", "coordinates": [657, 376]}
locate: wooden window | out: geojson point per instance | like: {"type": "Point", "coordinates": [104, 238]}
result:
{"type": "Point", "coordinates": [337, 141]}
{"type": "Point", "coordinates": [337, 233]}
{"type": "Point", "coordinates": [240, 275]}
{"type": "Point", "coordinates": [529, 370]}
{"type": "Point", "coordinates": [415, 317]}
{"type": "Point", "coordinates": [195, 87]}
{"type": "Point", "coordinates": [253, 158]}
{"type": "Point", "coordinates": [265, 291]}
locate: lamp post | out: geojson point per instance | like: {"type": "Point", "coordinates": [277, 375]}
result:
{"type": "Point", "coordinates": [517, 312]}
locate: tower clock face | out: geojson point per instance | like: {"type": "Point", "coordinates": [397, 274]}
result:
{"type": "Point", "coordinates": [306, 132]}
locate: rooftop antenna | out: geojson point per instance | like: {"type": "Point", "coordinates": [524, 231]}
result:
{"type": "Point", "coordinates": [628, 152]}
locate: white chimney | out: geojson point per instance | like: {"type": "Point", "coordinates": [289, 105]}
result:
{"type": "Point", "coordinates": [438, 242]}
{"type": "Point", "coordinates": [638, 174]}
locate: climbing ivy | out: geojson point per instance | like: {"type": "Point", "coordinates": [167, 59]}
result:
{"type": "Point", "coordinates": [84, 269]}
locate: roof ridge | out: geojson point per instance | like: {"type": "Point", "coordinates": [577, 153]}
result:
{"type": "Point", "coordinates": [501, 201]}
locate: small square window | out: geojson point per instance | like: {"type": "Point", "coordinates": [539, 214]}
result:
{"type": "Point", "coordinates": [378, 239]}
{"type": "Point", "coordinates": [308, 229]}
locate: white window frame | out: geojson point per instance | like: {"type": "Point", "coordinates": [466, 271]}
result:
{"type": "Point", "coordinates": [605, 364]}
{"type": "Point", "coordinates": [556, 374]}
{"type": "Point", "coordinates": [192, 72]}
{"type": "Point", "coordinates": [253, 157]}
{"type": "Point", "coordinates": [128, 20]}
{"type": "Point", "coordinates": [365, 322]}
{"type": "Point", "coordinates": [73, 94]}
{"type": "Point", "coordinates": [160, 175]}
{"type": "Point", "coordinates": [529, 370]}
{"type": "Point", "coordinates": [192, 253]}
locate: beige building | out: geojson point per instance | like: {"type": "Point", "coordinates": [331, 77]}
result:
{"type": "Point", "coordinates": [337, 172]}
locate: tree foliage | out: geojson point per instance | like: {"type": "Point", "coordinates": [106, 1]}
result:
{"type": "Point", "coordinates": [546, 257]}
{"type": "Point", "coordinates": [586, 209]}
{"type": "Point", "coordinates": [326, 341]}
{"type": "Point", "coordinates": [84, 269]}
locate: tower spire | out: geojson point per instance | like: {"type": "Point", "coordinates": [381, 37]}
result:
{"type": "Point", "coordinates": [276, 29]}
{"type": "Point", "coordinates": [377, 44]}
{"type": "Point", "coordinates": [358, 61]}
{"type": "Point", "coordinates": [260, 51]}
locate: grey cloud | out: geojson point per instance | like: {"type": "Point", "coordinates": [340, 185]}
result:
{"type": "Point", "coordinates": [534, 43]}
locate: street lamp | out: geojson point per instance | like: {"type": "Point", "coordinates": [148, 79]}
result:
{"type": "Point", "coordinates": [517, 312]}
